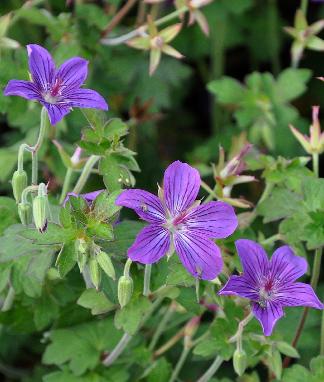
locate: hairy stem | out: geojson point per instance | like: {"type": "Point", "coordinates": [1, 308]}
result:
{"type": "Point", "coordinates": [304, 6]}
{"type": "Point", "coordinates": [93, 159]}
{"type": "Point", "coordinates": [237, 336]}
{"type": "Point", "coordinates": [147, 279]}
{"type": "Point", "coordinates": [66, 184]}
{"type": "Point", "coordinates": [40, 140]}
{"type": "Point", "coordinates": [162, 325]}
{"type": "Point", "coordinates": [212, 370]}
{"type": "Point", "coordinates": [184, 354]}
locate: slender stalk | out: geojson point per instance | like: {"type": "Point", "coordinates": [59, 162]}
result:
{"type": "Point", "coordinates": [141, 30]}
{"type": "Point", "coordinates": [316, 164]}
{"type": "Point", "coordinates": [304, 6]}
{"type": "Point", "coordinates": [7, 304]}
{"type": "Point", "coordinates": [93, 159]}
{"type": "Point", "coordinates": [118, 350]}
{"type": "Point", "coordinates": [184, 354]}
{"type": "Point", "coordinates": [322, 336]}
{"type": "Point", "coordinates": [171, 342]}
{"type": "Point", "coordinates": [237, 336]}
{"type": "Point", "coordinates": [147, 279]}
{"type": "Point", "coordinates": [271, 239]}
{"type": "Point", "coordinates": [159, 330]}
{"type": "Point", "coordinates": [212, 370]}
{"type": "Point", "coordinates": [66, 184]}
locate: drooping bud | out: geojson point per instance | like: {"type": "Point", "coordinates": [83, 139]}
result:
{"type": "Point", "coordinates": [95, 273]}
{"type": "Point", "coordinates": [19, 183]}
{"type": "Point", "coordinates": [239, 361]}
{"type": "Point", "coordinates": [25, 213]}
{"type": "Point", "coordinates": [39, 208]}
{"type": "Point", "coordinates": [125, 290]}
{"type": "Point", "coordinates": [106, 264]}
{"type": "Point", "coordinates": [81, 248]}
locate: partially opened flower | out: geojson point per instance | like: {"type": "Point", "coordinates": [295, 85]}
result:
{"type": "Point", "coordinates": [270, 284]}
{"type": "Point", "coordinates": [57, 89]}
{"type": "Point", "coordinates": [179, 223]}
{"type": "Point", "coordinates": [89, 197]}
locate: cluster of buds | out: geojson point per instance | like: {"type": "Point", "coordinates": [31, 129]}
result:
{"type": "Point", "coordinates": [195, 14]}
{"type": "Point", "coordinates": [228, 175]}
{"type": "Point", "coordinates": [304, 36]}
{"type": "Point", "coordinates": [314, 143]}
{"type": "Point", "coordinates": [157, 42]}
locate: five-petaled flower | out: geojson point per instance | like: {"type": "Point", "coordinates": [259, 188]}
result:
{"type": "Point", "coordinates": [270, 284]}
{"type": "Point", "coordinates": [57, 89]}
{"type": "Point", "coordinates": [177, 222]}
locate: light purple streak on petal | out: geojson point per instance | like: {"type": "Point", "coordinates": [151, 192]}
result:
{"type": "Point", "coordinates": [145, 204]}
{"type": "Point", "coordinates": [152, 243]}
{"type": "Point", "coordinates": [86, 98]}
{"type": "Point", "coordinates": [181, 186]}
{"type": "Point", "coordinates": [285, 266]}
{"type": "Point", "coordinates": [240, 286]}
{"type": "Point", "coordinates": [199, 255]}
{"type": "Point", "coordinates": [68, 195]}
{"type": "Point", "coordinates": [72, 73]}
{"type": "Point", "coordinates": [267, 316]}
{"type": "Point", "coordinates": [254, 260]}
{"type": "Point", "coordinates": [23, 89]}
{"type": "Point", "coordinates": [298, 294]}
{"type": "Point", "coordinates": [214, 220]}
{"type": "Point", "coordinates": [56, 112]}
{"type": "Point", "coordinates": [41, 66]}
{"type": "Point", "coordinates": [91, 196]}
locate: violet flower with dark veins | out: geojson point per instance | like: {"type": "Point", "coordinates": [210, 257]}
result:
{"type": "Point", "coordinates": [57, 89]}
{"type": "Point", "coordinates": [270, 284]}
{"type": "Point", "coordinates": [179, 223]}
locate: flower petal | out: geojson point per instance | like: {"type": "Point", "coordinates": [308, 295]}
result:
{"type": "Point", "coordinates": [285, 266]}
{"type": "Point", "coordinates": [145, 204]}
{"type": "Point", "coordinates": [298, 294]}
{"type": "Point", "coordinates": [150, 245]}
{"type": "Point", "coordinates": [240, 286]}
{"type": "Point", "coordinates": [199, 255]}
{"type": "Point", "coordinates": [254, 260]}
{"type": "Point", "coordinates": [181, 186]}
{"type": "Point", "coordinates": [23, 89]}
{"type": "Point", "coordinates": [85, 98]}
{"type": "Point", "coordinates": [56, 112]}
{"type": "Point", "coordinates": [91, 196]}
{"type": "Point", "coordinates": [41, 66]}
{"type": "Point", "coordinates": [72, 73]}
{"type": "Point", "coordinates": [267, 316]}
{"type": "Point", "coordinates": [214, 220]}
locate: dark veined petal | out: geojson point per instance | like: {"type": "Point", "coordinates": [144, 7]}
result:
{"type": "Point", "coordinates": [240, 286]}
{"type": "Point", "coordinates": [199, 255]}
{"type": "Point", "coordinates": [41, 66]}
{"type": "Point", "coordinates": [181, 186]}
{"type": "Point", "coordinates": [72, 73]}
{"type": "Point", "coordinates": [56, 112]}
{"type": "Point", "coordinates": [85, 98]}
{"type": "Point", "coordinates": [145, 204]}
{"type": "Point", "coordinates": [214, 219]}
{"type": "Point", "coordinates": [298, 294]}
{"type": "Point", "coordinates": [285, 266]}
{"type": "Point", "coordinates": [23, 89]}
{"type": "Point", "coordinates": [254, 260]}
{"type": "Point", "coordinates": [152, 243]}
{"type": "Point", "coordinates": [268, 316]}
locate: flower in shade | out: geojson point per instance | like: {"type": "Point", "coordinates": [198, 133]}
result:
{"type": "Point", "coordinates": [57, 89]}
{"type": "Point", "coordinates": [179, 223]}
{"type": "Point", "coordinates": [89, 197]}
{"type": "Point", "coordinates": [270, 284]}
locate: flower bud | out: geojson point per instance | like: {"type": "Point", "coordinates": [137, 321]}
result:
{"type": "Point", "coordinates": [19, 183]}
{"type": "Point", "coordinates": [106, 264]}
{"type": "Point", "coordinates": [125, 290]}
{"type": "Point", "coordinates": [24, 212]}
{"type": "Point", "coordinates": [39, 213]}
{"type": "Point", "coordinates": [239, 361]}
{"type": "Point", "coordinates": [95, 273]}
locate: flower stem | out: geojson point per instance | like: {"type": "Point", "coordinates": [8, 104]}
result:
{"type": "Point", "coordinates": [140, 30]}
{"type": "Point", "coordinates": [315, 164]}
{"type": "Point", "coordinates": [93, 159]}
{"type": "Point", "coordinates": [237, 336]}
{"type": "Point", "coordinates": [212, 370]}
{"type": "Point", "coordinates": [66, 184]}
{"type": "Point", "coordinates": [172, 341]}
{"type": "Point", "coordinates": [304, 6]}
{"type": "Point", "coordinates": [147, 279]}
{"type": "Point", "coordinates": [184, 354]}
{"type": "Point", "coordinates": [40, 140]}
{"type": "Point", "coordinates": [159, 330]}
{"type": "Point", "coordinates": [322, 336]}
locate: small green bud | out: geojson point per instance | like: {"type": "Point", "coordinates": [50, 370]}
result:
{"type": "Point", "coordinates": [25, 213]}
{"type": "Point", "coordinates": [19, 183]}
{"type": "Point", "coordinates": [39, 213]}
{"type": "Point", "coordinates": [95, 273]}
{"type": "Point", "coordinates": [125, 290]}
{"type": "Point", "coordinates": [81, 246]}
{"type": "Point", "coordinates": [106, 264]}
{"type": "Point", "coordinates": [239, 362]}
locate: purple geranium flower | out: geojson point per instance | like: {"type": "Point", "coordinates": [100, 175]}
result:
{"type": "Point", "coordinates": [270, 284]}
{"type": "Point", "coordinates": [177, 222]}
{"type": "Point", "coordinates": [57, 89]}
{"type": "Point", "coordinates": [89, 197]}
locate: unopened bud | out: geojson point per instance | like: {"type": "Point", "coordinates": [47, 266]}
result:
{"type": "Point", "coordinates": [81, 246]}
{"type": "Point", "coordinates": [106, 264]}
{"type": "Point", "coordinates": [39, 212]}
{"type": "Point", "coordinates": [125, 290]}
{"type": "Point", "coordinates": [95, 273]}
{"type": "Point", "coordinates": [25, 213]}
{"type": "Point", "coordinates": [19, 183]}
{"type": "Point", "coordinates": [239, 361]}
